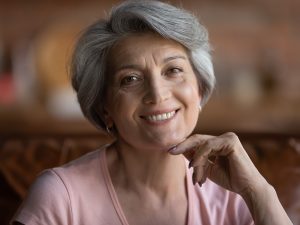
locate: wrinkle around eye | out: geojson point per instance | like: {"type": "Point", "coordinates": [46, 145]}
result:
{"type": "Point", "coordinates": [130, 81]}
{"type": "Point", "coordinates": [174, 73]}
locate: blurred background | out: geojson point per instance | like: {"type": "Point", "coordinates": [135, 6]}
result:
{"type": "Point", "coordinates": [257, 64]}
{"type": "Point", "coordinates": [256, 57]}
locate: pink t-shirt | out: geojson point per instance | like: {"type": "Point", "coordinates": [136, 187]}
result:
{"type": "Point", "coordinates": [81, 192]}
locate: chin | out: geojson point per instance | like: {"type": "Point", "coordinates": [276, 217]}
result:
{"type": "Point", "coordinates": [166, 144]}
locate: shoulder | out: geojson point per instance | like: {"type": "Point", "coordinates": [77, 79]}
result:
{"type": "Point", "coordinates": [47, 201]}
{"type": "Point", "coordinates": [59, 177]}
{"type": "Point", "coordinates": [56, 192]}
{"type": "Point", "coordinates": [82, 164]}
{"type": "Point", "coordinates": [84, 171]}
{"type": "Point", "coordinates": [47, 188]}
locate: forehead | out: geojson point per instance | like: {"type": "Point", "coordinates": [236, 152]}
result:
{"type": "Point", "coordinates": [136, 47]}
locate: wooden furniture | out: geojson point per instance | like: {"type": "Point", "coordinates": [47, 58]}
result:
{"type": "Point", "coordinates": [23, 156]}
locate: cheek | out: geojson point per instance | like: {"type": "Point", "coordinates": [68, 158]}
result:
{"type": "Point", "coordinates": [122, 108]}
{"type": "Point", "coordinates": [189, 92]}
{"type": "Point", "coordinates": [191, 99]}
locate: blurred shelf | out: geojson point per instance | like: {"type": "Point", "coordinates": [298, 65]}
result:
{"type": "Point", "coordinates": [22, 121]}
{"type": "Point", "coordinates": [219, 115]}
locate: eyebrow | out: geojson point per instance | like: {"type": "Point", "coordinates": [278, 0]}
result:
{"type": "Point", "coordinates": [136, 66]}
{"type": "Point", "coordinates": [174, 57]}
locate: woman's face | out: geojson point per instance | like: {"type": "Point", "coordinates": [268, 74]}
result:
{"type": "Point", "coordinates": [153, 95]}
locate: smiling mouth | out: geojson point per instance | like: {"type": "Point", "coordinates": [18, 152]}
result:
{"type": "Point", "coordinates": [160, 117]}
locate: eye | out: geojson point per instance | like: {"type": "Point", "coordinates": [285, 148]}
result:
{"type": "Point", "coordinates": [174, 71]}
{"type": "Point", "coordinates": [130, 80]}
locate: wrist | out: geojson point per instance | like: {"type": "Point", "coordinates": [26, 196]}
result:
{"type": "Point", "coordinates": [258, 196]}
{"type": "Point", "coordinates": [257, 190]}
{"type": "Point", "coordinates": [264, 205]}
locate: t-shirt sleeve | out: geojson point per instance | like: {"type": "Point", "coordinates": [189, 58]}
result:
{"type": "Point", "coordinates": [47, 202]}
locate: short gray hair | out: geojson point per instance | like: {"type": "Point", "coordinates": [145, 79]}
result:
{"type": "Point", "coordinates": [89, 62]}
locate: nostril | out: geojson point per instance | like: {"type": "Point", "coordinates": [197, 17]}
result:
{"type": "Point", "coordinates": [157, 95]}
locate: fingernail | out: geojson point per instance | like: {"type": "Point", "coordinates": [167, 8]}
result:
{"type": "Point", "coordinates": [190, 164]}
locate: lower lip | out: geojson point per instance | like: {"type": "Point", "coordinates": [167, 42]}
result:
{"type": "Point", "coordinates": [161, 122]}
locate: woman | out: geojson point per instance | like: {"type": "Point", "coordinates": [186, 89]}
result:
{"type": "Point", "coordinates": [143, 75]}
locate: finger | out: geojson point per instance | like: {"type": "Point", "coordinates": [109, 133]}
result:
{"type": "Point", "coordinates": [201, 173]}
{"type": "Point", "coordinates": [198, 160]}
{"type": "Point", "coordinates": [198, 174]}
{"type": "Point", "coordinates": [207, 171]}
{"type": "Point", "coordinates": [190, 154]}
{"type": "Point", "coordinates": [189, 144]}
{"type": "Point", "coordinates": [202, 155]}
{"type": "Point", "coordinates": [221, 145]}
{"type": "Point", "coordinates": [218, 174]}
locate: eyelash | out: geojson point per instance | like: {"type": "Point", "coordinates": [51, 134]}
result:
{"type": "Point", "coordinates": [133, 78]}
{"type": "Point", "coordinates": [172, 72]}
{"type": "Point", "coordinates": [126, 82]}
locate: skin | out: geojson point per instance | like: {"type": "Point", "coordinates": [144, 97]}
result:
{"type": "Point", "coordinates": [148, 80]}
{"type": "Point", "coordinates": [149, 75]}
{"type": "Point", "coordinates": [152, 78]}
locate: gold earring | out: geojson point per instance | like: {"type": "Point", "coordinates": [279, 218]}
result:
{"type": "Point", "coordinates": [109, 131]}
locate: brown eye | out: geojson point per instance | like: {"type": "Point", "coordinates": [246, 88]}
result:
{"type": "Point", "coordinates": [174, 71]}
{"type": "Point", "coordinates": [130, 80]}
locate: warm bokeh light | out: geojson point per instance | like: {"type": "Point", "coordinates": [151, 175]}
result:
{"type": "Point", "coordinates": [256, 55]}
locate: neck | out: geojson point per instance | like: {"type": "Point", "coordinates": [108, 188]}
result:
{"type": "Point", "coordinates": [141, 170]}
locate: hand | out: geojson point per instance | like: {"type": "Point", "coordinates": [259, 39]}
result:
{"type": "Point", "coordinates": [223, 160]}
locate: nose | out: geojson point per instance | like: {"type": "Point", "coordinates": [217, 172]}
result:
{"type": "Point", "coordinates": [157, 90]}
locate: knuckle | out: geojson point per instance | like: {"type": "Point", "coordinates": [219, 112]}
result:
{"type": "Point", "coordinates": [231, 135]}
{"type": "Point", "coordinates": [231, 140]}
{"type": "Point", "coordinates": [198, 139]}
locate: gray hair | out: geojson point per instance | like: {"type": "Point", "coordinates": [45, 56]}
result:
{"type": "Point", "coordinates": [89, 62]}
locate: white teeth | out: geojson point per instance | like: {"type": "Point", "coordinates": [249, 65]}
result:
{"type": "Point", "coordinates": [160, 117]}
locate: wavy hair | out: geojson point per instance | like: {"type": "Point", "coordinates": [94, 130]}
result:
{"type": "Point", "coordinates": [89, 62]}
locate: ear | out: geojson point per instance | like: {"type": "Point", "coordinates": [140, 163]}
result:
{"type": "Point", "coordinates": [200, 108]}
